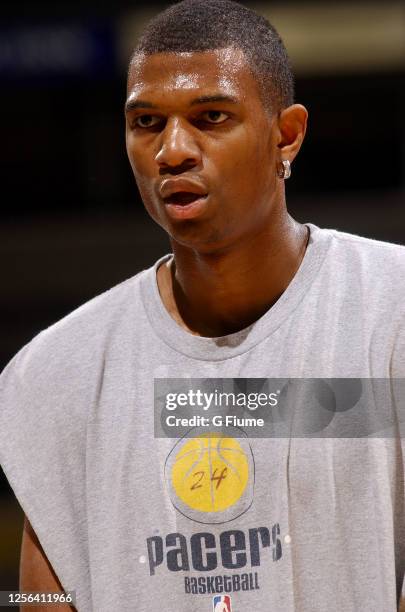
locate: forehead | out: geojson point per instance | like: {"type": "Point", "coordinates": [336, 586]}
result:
{"type": "Point", "coordinates": [223, 70]}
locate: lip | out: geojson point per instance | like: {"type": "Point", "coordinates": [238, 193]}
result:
{"type": "Point", "coordinates": [187, 211]}
{"type": "Point", "coordinates": [173, 185]}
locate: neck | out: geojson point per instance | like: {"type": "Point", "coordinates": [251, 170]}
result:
{"type": "Point", "coordinates": [216, 294]}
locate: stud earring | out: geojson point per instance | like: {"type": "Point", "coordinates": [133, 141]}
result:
{"type": "Point", "coordinates": [284, 171]}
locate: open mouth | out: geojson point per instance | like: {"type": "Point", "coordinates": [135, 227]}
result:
{"type": "Point", "coordinates": [183, 198]}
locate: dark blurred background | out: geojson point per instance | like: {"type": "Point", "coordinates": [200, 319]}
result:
{"type": "Point", "coordinates": [72, 221]}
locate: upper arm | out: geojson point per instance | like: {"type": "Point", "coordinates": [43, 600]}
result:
{"type": "Point", "coordinates": [36, 573]}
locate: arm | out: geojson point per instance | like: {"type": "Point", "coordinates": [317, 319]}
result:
{"type": "Point", "coordinates": [36, 573]}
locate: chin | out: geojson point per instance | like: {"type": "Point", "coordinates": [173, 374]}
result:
{"type": "Point", "coordinates": [194, 239]}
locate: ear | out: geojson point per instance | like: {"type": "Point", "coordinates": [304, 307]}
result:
{"type": "Point", "coordinates": [292, 125]}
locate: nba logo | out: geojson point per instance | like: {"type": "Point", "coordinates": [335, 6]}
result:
{"type": "Point", "coordinates": [222, 603]}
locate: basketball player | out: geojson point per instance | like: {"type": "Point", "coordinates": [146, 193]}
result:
{"type": "Point", "coordinates": [132, 521]}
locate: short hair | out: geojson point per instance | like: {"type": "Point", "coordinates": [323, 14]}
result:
{"type": "Point", "coordinates": [207, 25]}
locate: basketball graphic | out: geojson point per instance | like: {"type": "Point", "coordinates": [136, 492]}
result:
{"type": "Point", "coordinates": [210, 478]}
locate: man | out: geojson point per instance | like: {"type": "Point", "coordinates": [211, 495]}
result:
{"type": "Point", "coordinates": [134, 521]}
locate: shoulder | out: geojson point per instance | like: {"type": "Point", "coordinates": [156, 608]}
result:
{"type": "Point", "coordinates": [92, 318]}
{"type": "Point", "coordinates": [373, 266]}
{"type": "Point", "coordinates": [369, 251]}
{"type": "Point", "coordinates": [367, 275]}
{"type": "Point", "coordinates": [64, 359]}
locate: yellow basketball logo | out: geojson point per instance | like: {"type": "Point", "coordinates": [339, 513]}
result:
{"type": "Point", "coordinates": [209, 475]}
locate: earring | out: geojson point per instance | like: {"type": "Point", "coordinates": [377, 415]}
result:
{"type": "Point", "coordinates": [284, 172]}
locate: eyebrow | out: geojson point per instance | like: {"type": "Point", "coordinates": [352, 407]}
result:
{"type": "Point", "coordinates": [214, 98]}
{"type": "Point", "coordinates": [134, 104]}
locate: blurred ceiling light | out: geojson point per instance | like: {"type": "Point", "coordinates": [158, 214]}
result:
{"type": "Point", "coordinates": [341, 38]}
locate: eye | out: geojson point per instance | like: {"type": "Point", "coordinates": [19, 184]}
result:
{"type": "Point", "coordinates": [145, 121]}
{"type": "Point", "coordinates": [214, 116]}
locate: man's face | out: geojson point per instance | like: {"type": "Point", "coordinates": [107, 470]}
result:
{"type": "Point", "coordinates": [202, 147]}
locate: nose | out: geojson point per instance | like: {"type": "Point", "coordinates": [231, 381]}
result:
{"type": "Point", "coordinates": [178, 145]}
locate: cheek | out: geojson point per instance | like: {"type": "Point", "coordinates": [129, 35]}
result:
{"type": "Point", "coordinates": [147, 196]}
{"type": "Point", "coordinates": [258, 167]}
{"type": "Point", "coordinates": [244, 163]}
{"type": "Point", "coordinates": [143, 170]}
{"type": "Point", "coordinates": [247, 183]}
{"type": "Point", "coordinates": [139, 155]}
{"type": "Point", "coordinates": [138, 161]}
{"type": "Point", "coordinates": [244, 175]}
